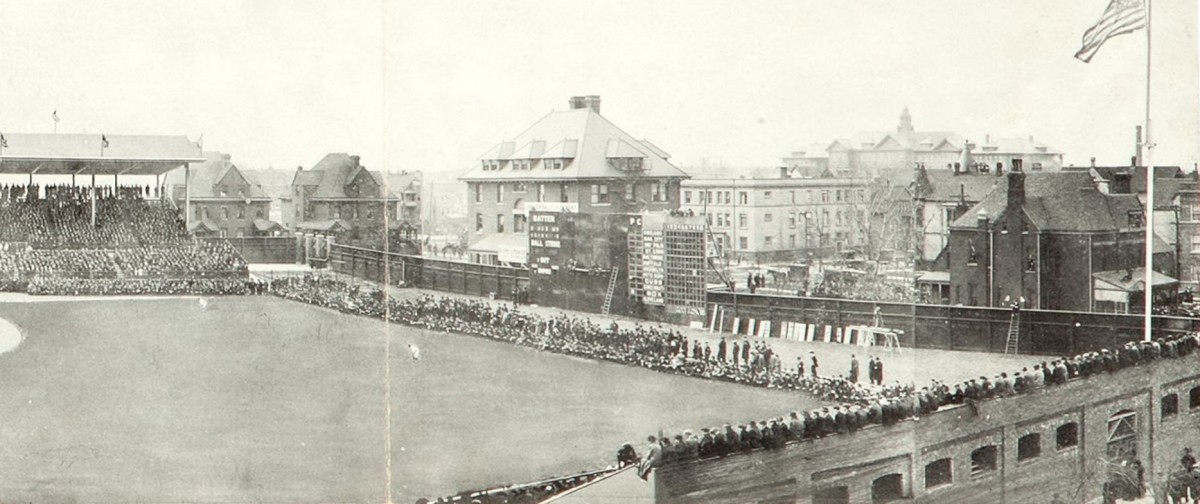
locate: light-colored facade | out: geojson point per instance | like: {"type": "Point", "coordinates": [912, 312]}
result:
{"type": "Point", "coordinates": [574, 157]}
{"type": "Point", "coordinates": [877, 152]}
{"type": "Point", "coordinates": [780, 217]}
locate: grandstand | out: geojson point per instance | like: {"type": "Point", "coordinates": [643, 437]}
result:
{"type": "Point", "coordinates": [52, 233]}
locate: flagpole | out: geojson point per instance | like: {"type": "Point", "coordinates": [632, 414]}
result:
{"type": "Point", "coordinates": [1148, 295]}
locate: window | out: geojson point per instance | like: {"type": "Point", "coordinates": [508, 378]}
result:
{"type": "Point", "coordinates": [552, 164]}
{"type": "Point", "coordinates": [687, 196]}
{"type": "Point", "coordinates": [720, 219]}
{"type": "Point", "coordinates": [241, 212]}
{"type": "Point", "coordinates": [939, 472]}
{"type": "Point", "coordinates": [225, 213]}
{"type": "Point", "coordinates": [600, 194]}
{"type": "Point", "coordinates": [1067, 435]}
{"type": "Point", "coordinates": [708, 196]}
{"type": "Point", "coordinates": [742, 220]}
{"type": "Point", "coordinates": [541, 192]}
{"type": "Point", "coordinates": [258, 214]}
{"type": "Point", "coordinates": [983, 460]}
{"type": "Point", "coordinates": [887, 488]}
{"type": "Point", "coordinates": [500, 223]}
{"type": "Point", "coordinates": [478, 222]}
{"type": "Point", "coordinates": [499, 193]}
{"type": "Point", "coordinates": [825, 218]}
{"type": "Point", "coordinates": [824, 196]}
{"type": "Point", "coordinates": [792, 220]}
{"type": "Point", "coordinates": [1029, 446]}
{"type": "Point", "coordinates": [478, 193]}
{"type": "Point", "coordinates": [630, 191]}
{"type": "Point", "coordinates": [518, 223]}
{"type": "Point", "coordinates": [768, 240]}
{"type": "Point", "coordinates": [563, 194]}
{"type": "Point", "coordinates": [520, 187]}
{"type": "Point", "coordinates": [793, 197]}
{"type": "Point", "coordinates": [1170, 405]}
{"type": "Point", "coordinates": [1122, 437]}
{"type": "Point", "coordinates": [728, 197]}
{"type": "Point", "coordinates": [766, 194]}
{"type": "Point", "coordinates": [1194, 398]}
{"type": "Point", "coordinates": [1196, 244]}
{"type": "Point", "coordinates": [658, 192]}
{"type": "Point", "coordinates": [839, 195]}
{"type": "Point", "coordinates": [767, 217]}
{"type": "Point", "coordinates": [1135, 219]}
{"type": "Point", "coordinates": [743, 243]}
{"type": "Point", "coordinates": [743, 198]}
{"type": "Point", "coordinates": [792, 240]}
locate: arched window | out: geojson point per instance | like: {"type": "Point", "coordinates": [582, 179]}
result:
{"type": "Point", "coordinates": [1067, 435]}
{"type": "Point", "coordinates": [887, 488]}
{"type": "Point", "coordinates": [1029, 446]}
{"type": "Point", "coordinates": [1170, 405]}
{"type": "Point", "coordinates": [939, 472]}
{"type": "Point", "coordinates": [983, 460]}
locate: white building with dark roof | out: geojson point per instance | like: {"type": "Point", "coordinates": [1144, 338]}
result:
{"type": "Point", "coordinates": [575, 158]}
{"type": "Point", "coordinates": [873, 152]}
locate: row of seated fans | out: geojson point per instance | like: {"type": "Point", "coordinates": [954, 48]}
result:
{"type": "Point", "coordinates": [52, 235]}
{"type": "Point", "coordinates": [66, 223]}
{"type": "Point", "coordinates": [188, 259]}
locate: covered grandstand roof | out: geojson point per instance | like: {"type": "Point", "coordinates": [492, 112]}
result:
{"type": "Point", "coordinates": [102, 154]}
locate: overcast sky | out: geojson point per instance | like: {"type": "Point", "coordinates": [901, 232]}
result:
{"type": "Point", "coordinates": [431, 85]}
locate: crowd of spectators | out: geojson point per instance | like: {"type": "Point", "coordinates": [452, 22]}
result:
{"type": "Point", "coordinates": [47, 232]}
{"type": "Point", "coordinates": [890, 407]}
{"type": "Point", "coordinates": [58, 217]}
{"type": "Point", "coordinates": [658, 348]}
{"type": "Point", "coordinates": [528, 493]}
{"type": "Point", "coordinates": [136, 286]}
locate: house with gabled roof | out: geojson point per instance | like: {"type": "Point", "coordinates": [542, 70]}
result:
{"type": "Point", "coordinates": [338, 195]}
{"type": "Point", "coordinates": [225, 201]}
{"type": "Point", "coordinates": [572, 159]}
{"type": "Point", "coordinates": [1054, 241]}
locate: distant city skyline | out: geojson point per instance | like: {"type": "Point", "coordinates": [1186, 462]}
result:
{"type": "Point", "coordinates": [430, 86]}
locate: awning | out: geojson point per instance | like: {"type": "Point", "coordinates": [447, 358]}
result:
{"type": "Point", "coordinates": [512, 247]}
{"type": "Point", "coordinates": [934, 277]}
{"type": "Point", "coordinates": [329, 226]}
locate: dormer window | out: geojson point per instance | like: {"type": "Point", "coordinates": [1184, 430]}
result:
{"type": "Point", "coordinates": [552, 164]}
{"type": "Point", "coordinates": [491, 164]}
{"type": "Point", "coordinates": [627, 164]}
{"type": "Point", "coordinates": [521, 164]}
{"type": "Point", "coordinates": [1135, 219]}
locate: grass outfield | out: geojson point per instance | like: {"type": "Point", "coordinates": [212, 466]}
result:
{"type": "Point", "coordinates": [265, 400]}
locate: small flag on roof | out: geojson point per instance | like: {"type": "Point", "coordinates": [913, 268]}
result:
{"type": "Point", "coordinates": [54, 115]}
{"type": "Point", "coordinates": [104, 141]}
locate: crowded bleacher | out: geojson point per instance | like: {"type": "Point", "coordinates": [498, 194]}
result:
{"type": "Point", "coordinates": [49, 244]}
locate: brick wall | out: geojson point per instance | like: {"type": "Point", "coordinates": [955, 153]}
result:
{"type": "Point", "coordinates": [1075, 471]}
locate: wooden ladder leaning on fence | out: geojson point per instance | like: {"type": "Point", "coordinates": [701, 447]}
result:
{"type": "Point", "coordinates": [612, 286]}
{"type": "Point", "coordinates": [1014, 331]}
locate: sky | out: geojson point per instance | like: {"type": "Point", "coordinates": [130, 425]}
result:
{"type": "Point", "coordinates": [413, 85]}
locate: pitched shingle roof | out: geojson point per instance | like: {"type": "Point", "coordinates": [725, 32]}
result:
{"type": "Point", "coordinates": [332, 174]}
{"type": "Point", "coordinates": [1060, 201]}
{"type": "Point", "coordinates": [207, 175]}
{"type": "Point", "coordinates": [582, 137]}
{"type": "Point", "coordinates": [945, 186]}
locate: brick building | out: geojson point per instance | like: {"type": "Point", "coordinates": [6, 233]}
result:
{"type": "Point", "coordinates": [338, 195]}
{"type": "Point", "coordinates": [574, 156]}
{"type": "Point", "coordinates": [225, 201]}
{"type": "Point", "coordinates": [780, 218]}
{"type": "Point", "coordinates": [1047, 238]}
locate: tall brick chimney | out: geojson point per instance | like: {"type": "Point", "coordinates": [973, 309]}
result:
{"type": "Point", "coordinates": [1016, 185]}
{"type": "Point", "coordinates": [1122, 183]}
{"type": "Point", "coordinates": [577, 102]}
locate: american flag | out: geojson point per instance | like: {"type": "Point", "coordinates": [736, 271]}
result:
{"type": "Point", "coordinates": [1121, 17]}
